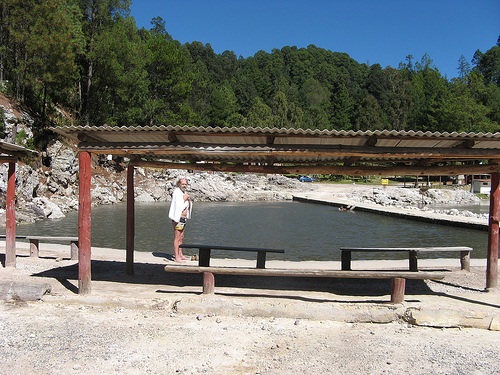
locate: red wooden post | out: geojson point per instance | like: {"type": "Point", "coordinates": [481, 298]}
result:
{"type": "Point", "coordinates": [130, 220]}
{"type": "Point", "coordinates": [492, 257]}
{"type": "Point", "coordinates": [398, 286]}
{"type": "Point", "coordinates": [84, 225]}
{"type": "Point", "coordinates": [10, 218]}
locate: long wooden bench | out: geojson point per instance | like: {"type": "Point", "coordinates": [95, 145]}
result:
{"type": "Point", "coordinates": [35, 243]}
{"type": "Point", "coordinates": [398, 283]}
{"type": "Point", "coordinates": [412, 254]}
{"type": "Point", "coordinates": [205, 252]}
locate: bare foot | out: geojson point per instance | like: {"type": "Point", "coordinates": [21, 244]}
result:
{"type": "Point", "coordinates": [179, 260]}
{"type": "Point", "coordinates": [185, 258]}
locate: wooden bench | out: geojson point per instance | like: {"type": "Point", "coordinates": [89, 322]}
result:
{"type": "Point", "coordinates": [205, 252]}
{"type": "Point", "coordinates": [412, 251]}
{"type": "Point", "coordinates": [35, 243]}
{"type": "Point", "coordinates": [398, 278]}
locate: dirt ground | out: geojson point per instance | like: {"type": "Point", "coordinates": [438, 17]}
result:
{"type": "Point", "coordinates": [130, 325]}
{"type": "Point", "coordinates": [43, 339]}
{"type": "Point", "coordinates": [105, 333]}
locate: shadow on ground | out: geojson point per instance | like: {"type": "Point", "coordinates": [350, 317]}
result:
{"type": "Point", "coordinates": [154, 274]}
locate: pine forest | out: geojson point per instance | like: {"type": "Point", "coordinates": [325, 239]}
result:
{"type": "Point", "coordinates": [86, 62]}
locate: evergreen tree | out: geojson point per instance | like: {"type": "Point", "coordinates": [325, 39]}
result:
{"type": "Point", "coordinates": [223, 104]}
{"type": "Point", "coordinates": [97, 19]}
{"type": "Point", "coordinates": [369, 115]}
{"type": "Point", "coordinates": [119, 78]}
{"type": "Point", "coordinates": [169, 79]}
{"type": "Point", "coordinates": [44, 39]}
{"type": "Point", "coordinates": [260, 115]}
{"type": "Point", "coordinates": [341, 107]}
{"type": "Point", "coordinates": [88, 56]}
{"type": "Point", "coordinates": [489, 64]}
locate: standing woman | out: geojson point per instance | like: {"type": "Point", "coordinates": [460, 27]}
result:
{"type": "Point", "coordinates": [180, 211]}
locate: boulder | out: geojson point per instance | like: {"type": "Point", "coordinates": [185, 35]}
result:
{"type": "Point", "coordinates": [144, 197]}
{"type": "Point", "coordinates": [50, 210]}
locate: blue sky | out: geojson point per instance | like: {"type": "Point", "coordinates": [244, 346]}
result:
{"type": "Point", "coordinates": [377, 31]}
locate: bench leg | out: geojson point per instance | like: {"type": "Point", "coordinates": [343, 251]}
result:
{"type": "Point", "coordinates": [413, 261]}
{"type": "Point", "coordinates": [34, 249]}
{"type": "Point", "coordinates": [465, 260]}
{"type": "Point", "coordinates": [398, 286]}
{"type": "Point", "coordinates": [261, 259]}
{"type": "Point", "coordinates": [204, 260]}
{"type": "Point", "coordinates": [208, 283]}
{"type": "Point", "coordinates": [74, 250]}
{"type": "Point", "coordinates": [346, 260]}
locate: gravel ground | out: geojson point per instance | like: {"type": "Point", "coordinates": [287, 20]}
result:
{"type": "Point", "coordinates": [37, 338]}
{"type": "Point", "coordinates": [53, 337]}
{"type": "Point", "coordinates": [62, 335]}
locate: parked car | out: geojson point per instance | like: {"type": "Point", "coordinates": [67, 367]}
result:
{"type": "Point", "coordinates": [306, 179]}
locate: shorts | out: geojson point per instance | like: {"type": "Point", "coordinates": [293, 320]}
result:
{"type": "Point", "coordinates": [180, 225]}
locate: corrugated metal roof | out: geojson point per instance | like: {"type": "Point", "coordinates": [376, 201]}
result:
{"type": "Point", "coordinates": [12, 149]}
{"type": "Point", "coordinates": [272, 145]}
{"type": "Point", "coordinates": [278, 131]}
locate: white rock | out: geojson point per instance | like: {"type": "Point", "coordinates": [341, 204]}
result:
{"type": "Point", "coordinates": [144, 197]}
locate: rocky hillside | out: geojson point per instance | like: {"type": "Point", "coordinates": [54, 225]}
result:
{"type": "Point", "coordinates": [51, 189]}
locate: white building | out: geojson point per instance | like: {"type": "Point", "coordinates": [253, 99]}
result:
{"type": "Point", "coordinates": [481, 186]}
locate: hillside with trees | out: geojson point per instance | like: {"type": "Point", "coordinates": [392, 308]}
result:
{"type": "Point", "coordinates": [85, 61]}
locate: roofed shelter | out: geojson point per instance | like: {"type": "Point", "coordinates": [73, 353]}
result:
{"type": "Point", "coordinates": [283, 151]}
{"type": "Point", "coordinates": [10, 153]}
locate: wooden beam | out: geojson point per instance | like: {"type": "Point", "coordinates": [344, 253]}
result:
{"type": "Point", "coordinates": [425, 162]}
{"type": "Point", "coordinates": [83, 137]}
{"type": "Point", "coordinates": [307, 272]}
{"type": "Point", "coordinates": [448, 170]}
{"type": "Point", "coordinates": [204, 151]}
{"type": "Point", "coordinates": [8, 159]}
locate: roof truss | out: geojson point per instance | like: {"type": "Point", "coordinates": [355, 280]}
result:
{"type": "Point", "coordinates": [294, 150]}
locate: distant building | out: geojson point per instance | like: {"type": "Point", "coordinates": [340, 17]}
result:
{"type": "Point", "coordinates": [481, 186]}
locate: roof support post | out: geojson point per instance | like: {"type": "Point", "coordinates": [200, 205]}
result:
{"type": "Point", "coordinates": [84, 225]}
{"type": "Point", "coordinates": [492, 258]}
{"type": "Point", "coordinates": [10, 219]}
{"type": "Point", "coordinates": [130, 220]}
